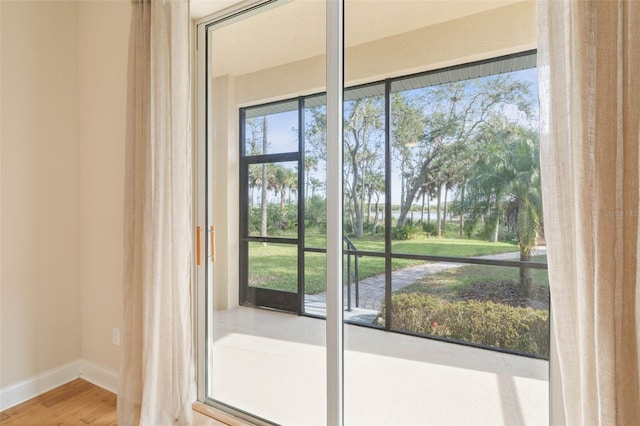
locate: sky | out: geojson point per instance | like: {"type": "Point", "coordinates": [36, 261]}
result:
{"type": "Point", "coordinates": [283, 129]}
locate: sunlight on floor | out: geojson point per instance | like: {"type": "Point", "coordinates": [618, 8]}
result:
{"type": "Point", "coordinates": [273, 365]}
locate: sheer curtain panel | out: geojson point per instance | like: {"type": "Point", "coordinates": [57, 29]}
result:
{"type": "Point", "coordinates": [157, 372]}
{"type": "Point", "coordinates": [589, 59]}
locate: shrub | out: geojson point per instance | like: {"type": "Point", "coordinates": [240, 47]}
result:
{"type": "Point", "coordinates": [450, 228]}
{"type": "Point", "coordinates": [407, 231]}
{"type": "Point", "coordinates": [486, 323]}
{"type": "Point", "coordinates": [429, 228]}
{"type": "Point", "coordinates": [469, 227]}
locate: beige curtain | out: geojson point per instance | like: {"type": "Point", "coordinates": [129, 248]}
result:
{"type": "Point", "coordinates": [589, 64]}
{"type": "Point", "coordinates": [157, 372]}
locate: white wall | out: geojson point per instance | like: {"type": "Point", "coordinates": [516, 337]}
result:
{"type": "Point", "coordinates": [103, 56]}
{"type": "Point", "coordinates": [225, 169]}
{"type": "Point", "coordinates": [63, 116]}
{"type": "Point", "coordinates": [40, 282]}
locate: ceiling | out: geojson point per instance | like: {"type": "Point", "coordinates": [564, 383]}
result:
{"type": "Point", "coordinates": [294, 30]}
{"type": "Point", "coordinates": [201, 8]}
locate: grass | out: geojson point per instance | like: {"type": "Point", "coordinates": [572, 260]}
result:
{"type": "Point", "coordinates": [496, 283]}
{"type": "Point", "coordinates": [274, 266]}
{"type": "Point", "coordinates": [458, 247]}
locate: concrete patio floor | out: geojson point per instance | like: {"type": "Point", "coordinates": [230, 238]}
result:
{"type": "Point", "coordinates": [272, 365]}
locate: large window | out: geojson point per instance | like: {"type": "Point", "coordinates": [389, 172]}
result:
{"type": "Point", "coordinates": [442, 205]}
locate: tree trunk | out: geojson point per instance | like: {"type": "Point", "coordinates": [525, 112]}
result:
{"type": "Point", "coordinates": [357, 226]}
{"type": "Point", "coordinates": [306, 184]}
{"type": "Point", "coordinates": [526, 280]}
{"type": "Point", "coordinates": [429, 209]}
{"type": "Point", "coordinates": [375, 218]}
{"type": "Point", "coordinates": [461, 212]}
{"type": "Point", "coordinates": [405, 205]}
{"type": "Point", "coordinates": [402, 189]}
{"type": "Point", "coordinates": [361, 196]}
{"type": "Point", "coordinates": [350, 214]}
{"type": "Point", "coordinates": [496, 229]}
{"type": "Point", "coordinates": [282, 192]}
{"type": "Point", "coordinates": [422, 209]}
{"type": "Point", "coordinates": [263, 201]}
{"type": "Point", "coordinates": [444, 210]}
{"type": "Point", "coordinates": [438, 223]}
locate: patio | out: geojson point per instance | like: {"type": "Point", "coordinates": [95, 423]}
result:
{"type": "Point", "coordinates": [273, 365]}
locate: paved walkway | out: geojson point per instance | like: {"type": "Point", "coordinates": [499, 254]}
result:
{"type": "Point", "coordinates": [372, 288]}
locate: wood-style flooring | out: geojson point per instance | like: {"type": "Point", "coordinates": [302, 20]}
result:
{"type": "Point", "coordinates": [75, 403]}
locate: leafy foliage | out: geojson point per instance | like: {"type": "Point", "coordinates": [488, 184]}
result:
{"type": "Point", "coordinates": [408, 231]}
{"type": "Point", "coordinates": [486, 323]}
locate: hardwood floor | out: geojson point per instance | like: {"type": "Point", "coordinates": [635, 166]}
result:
{"type": "Point", "coordinates": [76, 403]}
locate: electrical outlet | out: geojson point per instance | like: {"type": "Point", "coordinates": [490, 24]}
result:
{"type": "Point", "coordinates": [115, 336]}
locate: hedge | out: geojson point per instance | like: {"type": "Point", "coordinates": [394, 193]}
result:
{"type": "Point", "coordinates": [486, 323]}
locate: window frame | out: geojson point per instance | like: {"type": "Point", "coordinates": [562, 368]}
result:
{"type": "Point", "coordinates": [202, 214]}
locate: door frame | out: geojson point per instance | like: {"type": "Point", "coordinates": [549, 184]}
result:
{"type": "Point", "coordinates": [256, 296]}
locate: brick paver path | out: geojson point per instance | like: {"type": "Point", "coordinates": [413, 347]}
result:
{"type": "Point", "coordinates": [372, 288]}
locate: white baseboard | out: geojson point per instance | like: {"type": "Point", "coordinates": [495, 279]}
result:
{"type": "Point", "coordinates": [50, 379]}
{"type": "Point", "coordinates": [99, 376]}
{"type": "Point", "coordinates": [41, 383]}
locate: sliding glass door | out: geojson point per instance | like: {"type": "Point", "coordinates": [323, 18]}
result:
{"type": "Point", "coordinates": [451, 266]}
{"type": "Point", "coordinates": [438, 312]}
{"type": "Point", "coordinates": [262, 361]}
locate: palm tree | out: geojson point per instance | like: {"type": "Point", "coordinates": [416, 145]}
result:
{"type": "Point", "coordinates": [425, 192]}
{"type": "Point", "coordinates": [310, 164]}
{"type": "Point", "coordinates": [505, 186]}
{"type": "Point", "coordinates": [526, 199]}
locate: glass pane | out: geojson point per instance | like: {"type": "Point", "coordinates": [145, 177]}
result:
{"type": "Point", "coordinates": [364, 289]}
{"type": "Point", "coordinates": [315, 173]}
{"type": "Point", "coordinates": [363, 284]}
{"type": "Point", "coordinates": [273, 266]}
{"type": "Point", "coordinates": [271, 129]}
{"type": "Point", "coordinates": [273, 199]}
{"type": "Point", "coordinates": [315, 284]}
{"type": "Point", "coordinates": [465, 161]}
{"type": "Point", "coordinates": [462, 158]}
{"type": "Point", "coordinates": [262, 362]}
{"type": "Point", "coordinates": [364, 167]}
{"type": "Point", "coordinates": [496, 306]}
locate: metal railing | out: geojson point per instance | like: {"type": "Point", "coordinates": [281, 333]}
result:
{"type": "Point", "coordinates": [352, 248]}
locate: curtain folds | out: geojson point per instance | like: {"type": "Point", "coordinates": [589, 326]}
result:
{"type": "Point", "coordinates": [589, 60]}
{"type": "Point", "coordinates": [157, 371]}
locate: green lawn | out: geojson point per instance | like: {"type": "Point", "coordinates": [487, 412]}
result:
{"type": "Point", "coordinates": [275, 265]}
{"type": "Point", "coordinates": [481, 282]}
{"type": "Point", "coordinates": [459, 247]}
